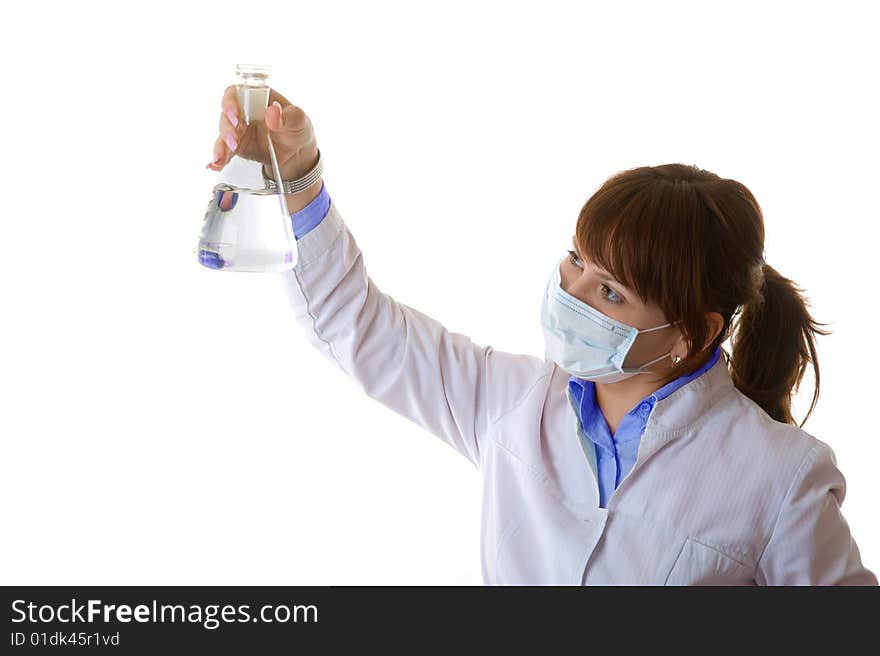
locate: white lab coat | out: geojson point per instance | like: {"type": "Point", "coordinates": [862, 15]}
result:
{"type": "Point", "coordinates": [720, 493]}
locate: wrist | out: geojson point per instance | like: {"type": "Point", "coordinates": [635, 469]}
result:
{"type": "Point", "coordinates": [295, 167]}
{"type": "Point", "coordinates": [296, 202]}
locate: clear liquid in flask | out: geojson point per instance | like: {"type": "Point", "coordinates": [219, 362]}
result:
{"type": "Point", "coordinates": [241, 232]}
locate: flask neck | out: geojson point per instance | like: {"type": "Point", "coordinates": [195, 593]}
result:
{"type": "Point", "coordinates": [253, 100]}
{"type": "Point", "coordinates": [253, 90]}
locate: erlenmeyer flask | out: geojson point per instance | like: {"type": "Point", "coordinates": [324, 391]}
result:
{"type": "Point", "coordinates": [247, 226]}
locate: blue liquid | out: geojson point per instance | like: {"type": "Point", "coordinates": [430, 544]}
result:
{"type": "Point", "coordinates": [211, 260]}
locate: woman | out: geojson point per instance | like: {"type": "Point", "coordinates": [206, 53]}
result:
{"type": "Point", "coordinates": [638, 451]}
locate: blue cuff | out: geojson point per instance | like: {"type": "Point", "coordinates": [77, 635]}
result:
{"type": "Point", "coordinates": [312, 214]}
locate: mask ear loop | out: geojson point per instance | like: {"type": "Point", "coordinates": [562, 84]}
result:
{"type": "Point", "coordinates": [647, 330]}
{"type": "Point", "coordinates": [647, 364]}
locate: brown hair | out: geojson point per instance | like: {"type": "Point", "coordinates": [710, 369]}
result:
{"type": "Point", "coordinates": [692, 242]}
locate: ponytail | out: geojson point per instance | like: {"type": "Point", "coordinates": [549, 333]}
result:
{"type": "Point", "coordinates": [773, 343]}
{"type": "Point", "coordinates": [691, 242]}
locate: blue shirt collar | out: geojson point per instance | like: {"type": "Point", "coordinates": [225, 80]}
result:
{"type": "Point", "coordinates": [584, 394]}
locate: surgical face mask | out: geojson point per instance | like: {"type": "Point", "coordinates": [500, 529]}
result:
{"type": "Point", "coordinates": [583, 341]}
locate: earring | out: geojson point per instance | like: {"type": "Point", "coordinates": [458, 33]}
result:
{"type": "Point", "coordinates": [675, 360]}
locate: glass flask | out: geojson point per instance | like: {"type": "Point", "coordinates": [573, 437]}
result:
{"type": "Point", "coordinates": [247, 226]}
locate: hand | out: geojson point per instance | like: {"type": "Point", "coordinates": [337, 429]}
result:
{"type": "Point", "coordinates": [292, 136]}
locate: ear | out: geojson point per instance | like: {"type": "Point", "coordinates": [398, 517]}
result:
{"type": "Point", "coordinates": [714, 325]}
{"type": "Point", "coordinates": [681, 347]}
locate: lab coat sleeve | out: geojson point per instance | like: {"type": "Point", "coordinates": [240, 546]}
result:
{"type": "Point", "coordinates": [811, 543]}
{"type": "Point", "coordinates": [407, 361]}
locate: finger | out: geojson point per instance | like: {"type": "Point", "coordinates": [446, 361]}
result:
{"type": "Point", "coordinates": [291, 118]}
{"type": "Point", "coordinates": [274, 119]}
{"type": "Point", "coordinates": [227, 200]}
{"type": "Point", "coordinates": [294, 117]}
{"type": "Point", "coordinates": [274, 96]}
{"type": "Point", "coordinates": [221, 155]}
{"type": "Point", "coordinates": [226, 129]}
{"type": "Point", "coordinates": [232, 109]}
{"type": "Point", "coordinates": [230, 99]}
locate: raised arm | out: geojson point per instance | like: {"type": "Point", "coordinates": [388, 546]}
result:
{"type": "Point", "coordinates": [407, 361]}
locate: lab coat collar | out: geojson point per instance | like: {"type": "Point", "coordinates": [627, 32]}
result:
{"type": "Point", "coordinates": [558, 457]}
{"type": "Point", "coordinates": [674, 414]}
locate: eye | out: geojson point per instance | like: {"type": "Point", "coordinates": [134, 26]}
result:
{"type": "Point", "coordinates": [615, 299]}
{"type": "Point", "coordinates": [607, 293]}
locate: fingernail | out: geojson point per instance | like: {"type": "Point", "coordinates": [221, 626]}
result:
{"type": "Point", "coordinates": [231, 114]}
{"type": "Point", "coordinates": [231, 142]}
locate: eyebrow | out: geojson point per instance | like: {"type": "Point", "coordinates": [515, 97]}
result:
{"type": "Point", "coordinates": [602, 272]}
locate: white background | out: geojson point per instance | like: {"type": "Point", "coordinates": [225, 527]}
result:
{"type": "Point", "coordinates": [163, 423]}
